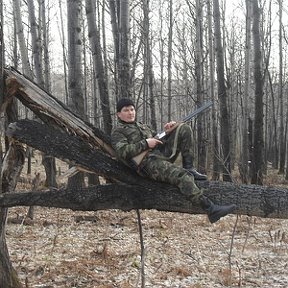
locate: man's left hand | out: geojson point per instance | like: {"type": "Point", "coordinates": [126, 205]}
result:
{"type": "Point", "coordinates": [169, 125]}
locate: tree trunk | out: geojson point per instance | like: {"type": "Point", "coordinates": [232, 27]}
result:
{"type": "Point", "coordinates": [11, 169]}
{"type": "Point", "coordinates": [98, 66]}
{"type": "Point", "coordinates": [35, 44]}
{"type": "Point", "coordinates": [274, 114]}
{"type": "Point", "coordinates": [225, 128]}
{"type": "Point", "coordinates": [281, 116]}
{"type": "Point", "coordinates": [200, 87]}
{"type": "Point", "coordinates": [148, 67]}
{"type": "Point", "coordinates": [48, 162]}
{"type": "Point", "coordinates": [124, 52]}
{"type": "Point", "coordinates": [21, 40]}
{"type": "Point", "coordinates": [115, 32]}
{"type": "Point", "coordinates": [62, 37]}
{"type": "Point", "coordinates": [244, 165]}
{"type": "Point", "coordinates": [8, 276]}
{"type": "Point", "coordinates": [215, 140]}
{"type": "Point", "coordinates": [75, 76]}
{"type": "Point", "coordinates": [170, 42]}
{"type": "Point", "coordinates": [257, 164]}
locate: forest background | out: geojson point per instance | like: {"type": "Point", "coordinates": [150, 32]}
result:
{"type": "Point", "coordinates": [170, 57]}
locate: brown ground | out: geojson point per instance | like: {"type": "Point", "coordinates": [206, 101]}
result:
{"type": "Point", "coordinates": [62, 248]}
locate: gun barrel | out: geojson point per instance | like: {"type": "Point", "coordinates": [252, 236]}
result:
{"type": "Point", "coordinates": [197, 111]}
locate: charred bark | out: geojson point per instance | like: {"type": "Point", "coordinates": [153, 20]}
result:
{"type": "Point", "coordinates": [12, 166]}
{"type": "Point", "coordinates": [251, 200]}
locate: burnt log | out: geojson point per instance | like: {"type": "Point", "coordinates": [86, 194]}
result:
{"type": "Point", "coordinates": [130, 191]}
{"type": "Point", "coordinates": [67, 137]}
{"type": "Point", "coordinates": [251, 200]}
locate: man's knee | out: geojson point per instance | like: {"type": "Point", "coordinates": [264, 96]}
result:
{"type": "Point", "coordinates": [185, 128]}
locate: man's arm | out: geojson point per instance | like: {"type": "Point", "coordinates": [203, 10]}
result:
{"type": "Point", "coordinates": [124, 149]}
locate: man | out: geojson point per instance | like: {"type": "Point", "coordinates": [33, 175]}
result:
{"type": "Point", "coordinates": [131, 138]}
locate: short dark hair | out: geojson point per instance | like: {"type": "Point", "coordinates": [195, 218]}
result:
{"type": "Point", "coordinates": [123, 102]}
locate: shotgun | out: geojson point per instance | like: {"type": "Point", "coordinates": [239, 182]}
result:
{"type": "Point", "coordinates": [138, 158]}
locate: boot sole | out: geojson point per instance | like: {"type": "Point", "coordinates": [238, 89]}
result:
{"type": "Point", "coordinates": [215, 217]}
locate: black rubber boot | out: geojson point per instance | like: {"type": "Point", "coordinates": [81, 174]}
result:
{"type": "Point", "coordinates": [215, 212]}
{"type": "Point", "coordinates": [187, 163]}
{"type": "Point", "coordinates": [196, 174]}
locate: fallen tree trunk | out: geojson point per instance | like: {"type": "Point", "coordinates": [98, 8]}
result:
{"type": "Point", "coordinates": [87, 147]}
{"type": "Point", "coordinates": [135, 192]}
{"type": "Point", "coordinates": [251, 200]}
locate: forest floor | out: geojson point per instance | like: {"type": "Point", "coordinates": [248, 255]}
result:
{"type": "Point", "coordinates": [63, 248]}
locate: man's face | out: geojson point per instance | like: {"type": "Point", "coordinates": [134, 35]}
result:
{"type": "Point", "coordinates": [127, 114]}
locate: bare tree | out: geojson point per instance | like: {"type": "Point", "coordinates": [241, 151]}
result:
{"type": "Point", "coordinates": [94, 38]}
{"type": "Point", "coordinates": [281, 130]}
{"type": "Point", "coordinates": [225, 135]}
{"type": "Point", "coordinates": [257, 163]}
{"type": "Point", "coordinates": [245, 110]}
{"type": "Point", "coordinates": [62, 37]}
{"type": "Point", "coordinates": [35, 44]}
{"type": "Point", "coordinates": [21, 40]}
{"type": "Point", "coordinates": [75, 75]}
{"type": "Point", "coordinates": [215, 141]}
{"type": "Point", "coordinates": [124, 52]}
{"type": "Point", "coordinates": [148, 65]}
{"type": "Point", "coordinates": [170, 42]}
{"type": "Point", "coordinates": [200, 85]}
{"type": "Point", "coordinates": [8, 276]}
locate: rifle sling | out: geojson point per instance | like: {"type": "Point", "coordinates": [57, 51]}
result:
{"type": "Point", "coordinates": [174, 149]}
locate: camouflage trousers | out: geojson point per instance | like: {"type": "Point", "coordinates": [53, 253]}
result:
{"type": "Point", "coordinates": [159, 163]}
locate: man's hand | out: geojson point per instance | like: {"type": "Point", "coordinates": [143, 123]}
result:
{"type": "Point", "coordinates": [169, 125]}
{"type": "Point", "coordinates": [152, 142]}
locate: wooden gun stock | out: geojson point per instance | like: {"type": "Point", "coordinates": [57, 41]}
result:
{"type": "Point", "coordinates": [139, 158]}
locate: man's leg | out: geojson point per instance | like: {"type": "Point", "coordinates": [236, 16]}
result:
{"type": "Point", "coordinates": [165, 171]}
{"type": "Point", "coordinates": [184, 146]}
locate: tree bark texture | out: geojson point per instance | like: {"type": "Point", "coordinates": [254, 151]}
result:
{"type": "Point", "coordinates": [75, 75]}
{"type": "Point", "coordinates": [244, 166]}
{"type": "Point", "coordinates": [200, 87]}
{"type": "Point", "coordinates": [35, 44]}
{"type": "Point", "coordinates": [258, 161]}
{"type": "Point", "coordinates": [225, 135]}
{"type": "Point", "coordinates": [94, 38]}
{"type": "Point", "coordinates": [11, 169]}
{"type": "Point", "coordinates": [169, 60]}
{"type": "Point", "coordinates": [21, 39]}
{"type": "Point", "coordinates": [281, 100]}
{"type": "Point", "coordinates": [215, 143]}
{"type": "Point", "coordinates": [115, 32]}
{"type": "Point", "coordinates": [124, 51]}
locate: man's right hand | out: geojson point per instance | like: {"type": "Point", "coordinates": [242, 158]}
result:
{"type": "Point", "coordinates": [152, 142]}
